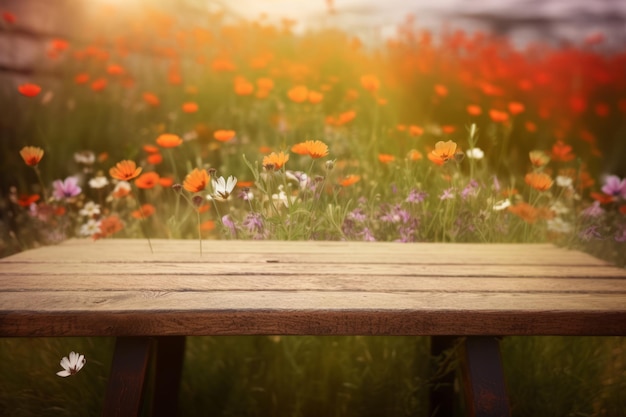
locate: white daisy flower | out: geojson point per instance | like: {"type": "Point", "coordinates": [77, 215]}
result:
{"type": "Point", "coordinates": [475, 153]}
{"type": "Point", "coordinates": [90, 209]}
{"type": "Point", "coordinates": [90, 228]}
{"type": "Point", "coordinates": [501, 205]}
{"type": "Point", "coordinates": [223, 188]}
{"type": "Point", "coordinates": [72, 365]}
{"type": "Point", "coordinates": [98, 182]}
{"type": "Point", "coordinates": [563, 181]}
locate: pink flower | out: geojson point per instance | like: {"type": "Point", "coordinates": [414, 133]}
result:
{"type": "Point", "coordinates": [614, 186]}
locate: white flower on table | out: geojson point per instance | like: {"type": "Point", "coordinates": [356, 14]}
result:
{"type": "Point", "coordinates": [72, 365]}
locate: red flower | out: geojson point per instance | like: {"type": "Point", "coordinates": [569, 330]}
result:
{"type": "Point", "coordinates": [29, 89]}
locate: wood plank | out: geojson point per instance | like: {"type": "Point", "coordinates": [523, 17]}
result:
{"type": "Point", "coordinates": [303, 322]}
{"type": "Point", "coordinates": [119, 301]}
{"type": "Point", "coordinates": [136, 250]}
{"type": "Point", "coordinates": [24, 284]}
{"type": "Point", "coordinates": [10, 270]}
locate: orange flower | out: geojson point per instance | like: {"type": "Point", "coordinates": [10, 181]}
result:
{"type": "Point", "coordinates": [602, 198]}
{"type": "Point", "coordinates": [155, 158]}
{"type": "Point", "coordinates": [196, 180]}
{"type": "Point", "coordinates": [448, 129]}
{"type": "Point", "coordinates": [144, 211]}
{"type": "Point", "coordinates": [443, 152]}
{"type": "Point", "coordinates": [346, 117]}
{"type": "Point", "coordinates": [538, 180]}
{"type": "Point", "coordinates": [349, 180]}
{"type": "Point", "coordinates": [298, 94]}
{"type": "Point", "coordinates": [169, 140]}
{"type": "Point", "coordinates": [150, 148]}
{"type": "Point", "coordinates": [265, 84]}
{"type": "Point", "coordinates": [99, 84]}
{"type": "Point", "coordinates": [190, 107]}
{"type": "Point", "coordinates": [386, 158]}
{"type": "Point", "coordinates": [314, 148]}
{"type": "Point", "coordinates": [166, 182]}
{"type": "Point", "coordinates": [370, 82]}
{"type": "Point", "coordinates": [414, 155]}
{"type": "Point", "coordinates": [562, 152]}
{"type": "Point", "coordinates": [81, 78]}
{"type": "Point", "coordinates": [29, 89]}
{"type": "Point", "coordinates": [25, 200]}
{"type": "Point", "coordinates": [207, 226]}
{"type": "Point", "coordinates": [415, 130]}
{"type": "Point", "coordinates": [109, 226]}
{"type": "Point", "coordinates": [315, 97]}
{"type": "Point", "coordinates": [474, 110]}
{"type": "Point", "coordinates": [151, 99]}
{"type": "Point", "coordinates": [125, 170]}
{"type": "Point", "coordinates": [147, 180]}
{"type": "Point", "coordinates": [441, 90]}
{"type": "Point", "coordinates": [204, 208]}
{"type": "Point", "coordinates": [525, 211]}
{"type": "Point", "coordinates": [498, 116]}
{"type": "Point", "coordinates": [31, 155]}
{"type": "Point", "coordinates": [243, 87]}
{"type": "Point", "coordinates": [275, 160]}
{"type": "Point", "coordinates": [115, 69]}
{"type": "Point", "coordinates": [530, 126]}
{"type": "Point", "coordinates": [538, 158]}
{"type": "Point", "coordinates": [224, 135]}
{"type": "Point", "coordinates": [244, 184]}
{"type": "Point", "coordinates": [516, 108]}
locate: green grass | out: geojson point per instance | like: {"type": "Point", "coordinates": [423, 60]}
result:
{"type": "Point", "coordinates": [319, 376]}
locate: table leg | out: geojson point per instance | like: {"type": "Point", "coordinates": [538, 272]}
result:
{"type": "Point", "coordinates": [128, 373]}
{"type": "Point", "coordinates": [483, 378]}
{"type": "Point", "coordinates": [441, 396]}
{"type": "Point", "coordinates": [170, 352]}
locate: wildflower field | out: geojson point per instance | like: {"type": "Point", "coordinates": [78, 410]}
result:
{"type": "Point", "coordinates": [158, 127]}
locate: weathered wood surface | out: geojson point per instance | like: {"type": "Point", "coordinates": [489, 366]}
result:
{"type": "Point", "coordinates": [120, 288]}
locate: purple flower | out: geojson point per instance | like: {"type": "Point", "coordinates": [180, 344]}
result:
{"type": "Point", "coordinates": [228, 222]}
{"type": "Point", "coordinates": [620, 236]}
{"type": "Point", "coordinates": [367, 235]}
{"type": "Point", "coordinates": [470, 190]}
{"type": "Point", "coordinates": [447, 194]}
{"type": "Point", "coordinates": [254, 224]}
{"type": "Point", "coordinates": [614, 186]}
{"type": "Point", "coordinates": [593, 210]}
{"type": "Point", "coordinates": [66, 189]}
{"type": "Point", "coordinates": [416, 196]}
{"type": "Point", "coordinates": [395, 214]}
{"type": "Point", "coordinates": [590, 233]}
{"type": "Point", "coordinates": [358, 215]}
{"type": "Point", "coordinates": [496, 184]}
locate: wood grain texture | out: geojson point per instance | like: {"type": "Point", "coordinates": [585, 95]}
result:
{"type": "Point", "coordinates": [117, 287]}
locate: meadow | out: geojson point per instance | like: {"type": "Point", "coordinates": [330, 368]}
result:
{"type": "Point", "coordinates": [156, 127]}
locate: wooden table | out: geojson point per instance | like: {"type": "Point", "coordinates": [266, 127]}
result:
{"type": "Point", "coordinates": [151, 301]}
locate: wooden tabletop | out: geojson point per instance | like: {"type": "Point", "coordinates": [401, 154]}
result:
{"type": "Point", "coordinates": [117, 287]}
